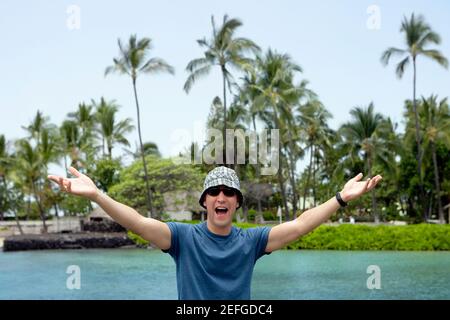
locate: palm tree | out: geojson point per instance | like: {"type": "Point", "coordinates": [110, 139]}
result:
{"type": "Point", "coordinates": [111, 131]}
{"type": "Point", "coordinates": [418, 35]}
{"type": "Point", "coordinates": [38, 123]}
{"type": "Point", "coordinates": [276, 93]}
{"type": "Point", "coordinates": [366, 134]}
{"type": "Point", "coordinates": [222, 50]}
{"type": "Point", "coordinates": [70, 139]}
{"type": "Point", "coordinates": [6, 162]}
{"type": "Point", "coordinates": [150, 149]}
{"type": "Point", "coordinates": [133, 61]}
{"type": "Point", "coordinates": [435, 126]}
{"type": "Point", "coordinates": [29, 165]}
{"type": "Point", "coordinates": [85, 118]}
{"type": "Point", "coordinates": [312, 120]}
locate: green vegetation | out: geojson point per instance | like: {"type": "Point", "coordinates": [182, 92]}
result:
{"type": "Point", "coordinates": [138, 240]}
{"type": "Point", "coordinates": [265, 87]}
{"type": "Point", "coordinates": [361, 237]}
{"type": "Point", "coordinates": [419, 237]}
{"type": "Point", "coordinates": [164, 176]}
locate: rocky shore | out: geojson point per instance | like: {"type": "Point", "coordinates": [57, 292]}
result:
{"type": "Point", "coordinates": [67, 241]}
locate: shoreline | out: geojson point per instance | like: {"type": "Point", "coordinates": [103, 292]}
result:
{"type": "Point", "coordinates": [85, 240]}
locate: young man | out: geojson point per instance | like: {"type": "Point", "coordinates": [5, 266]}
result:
{"type": "Point", "coordinates": [214, 259]}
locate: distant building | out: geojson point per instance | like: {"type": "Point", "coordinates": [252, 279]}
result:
{"type": "Point", "coordinates": [182, 205]}
{"type": "Point", "coordinates": [98, 215]}
{"type": "Point", "coordinates": [99, 221]}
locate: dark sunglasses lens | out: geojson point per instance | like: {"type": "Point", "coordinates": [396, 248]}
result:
{"type": "Point", "coordinates": [213, 191]}
{"type": "Point", "coordinates": [228, 192]}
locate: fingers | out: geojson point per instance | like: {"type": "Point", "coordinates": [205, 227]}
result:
{"type": "Point", "coordinates": [53, 178]}
{"type": "Point", "coordinates": [358, 176]}
{"type": "Point", "coordinates": [368, 181]}
{"type": "Point", "coordinates": [75, 172]}
{"type": "Point", "coordinates": [68, 186]}
{"type": "Point", "coordinates": [374, 181]}
{"type": "Point", "coordinates": [64, 184]}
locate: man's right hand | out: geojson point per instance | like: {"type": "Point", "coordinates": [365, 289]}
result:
{"type": "Point", "coordinates": [81, 185]}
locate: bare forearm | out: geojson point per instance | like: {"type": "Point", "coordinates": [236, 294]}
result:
{"type": "Point", "coordinates": [122, 214]}
{"type": "Point", "coordinates": [152, 230]}
{"type": "Point", "coordinates": [312, 218]}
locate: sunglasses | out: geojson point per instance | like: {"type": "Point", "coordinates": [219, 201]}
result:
{"type": "Point", "coordinates": [214, 191]}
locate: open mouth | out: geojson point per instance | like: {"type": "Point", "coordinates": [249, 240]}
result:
{"type": "Point", "coordinates": [221, 211]}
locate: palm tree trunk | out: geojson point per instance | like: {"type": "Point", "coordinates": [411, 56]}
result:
{"type": "Point", "coordinates": [65, 163]}
{"type": "Point", "coordinates": [372, 193]}
{"type": "Point", "coordinates": [259, 216]}
{"type": "Point", "coordinates": [245, 211]}
{"type": "Point", "coordinates": [292, 176]}
{"type": "Point", "coordinates": [148, 194]}
{"type": "Point", "coordinates": [292, 182]}
{"type": "Point", "coordinates": [283, 193]}
{"type": "Point", "coordinates": [16, 218]}
{"type": "Point", "coordinates": [437, 184]}
{"type": "Point", "coordinates": [41, 210]}
{"type": "Point", "coordinates": [316, 165]}
{"type": "Point", "coordinates": [308, 176]}
{"type": "Point", "coordinates": [224, 116]}
{"type": "Point", "coordinates": [419, 149]}
{"type": "Point", "coordinates": [280, 169]}
{"type": "Point", "coordinates": [109, 151]}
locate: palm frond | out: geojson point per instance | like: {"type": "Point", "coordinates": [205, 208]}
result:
{"type": "Point", "coordinates": [400, 70]}
{"type": "Point", "coordinates": [192, 78]}
{"type": "Point", "coordinates": [436, 56]}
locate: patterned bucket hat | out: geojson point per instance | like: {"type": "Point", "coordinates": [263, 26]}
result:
{"type": "Point", "coordinates": [222, 176]}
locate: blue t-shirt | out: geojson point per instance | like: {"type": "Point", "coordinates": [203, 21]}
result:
{"type": "Point", "coordinates": [214, 267]}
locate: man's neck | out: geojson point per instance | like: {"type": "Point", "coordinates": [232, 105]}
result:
{"type": "Point", "coordinates": [221, 231]}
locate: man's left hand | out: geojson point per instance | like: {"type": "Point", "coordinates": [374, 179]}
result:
{"type": "Point", "coordinates": [354, 188]}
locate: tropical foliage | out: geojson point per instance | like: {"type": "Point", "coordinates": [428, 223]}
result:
{"type": "Point", "coordinates": [270, 93]}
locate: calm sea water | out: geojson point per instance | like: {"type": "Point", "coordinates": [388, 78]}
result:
{"type": "Point", "coordinates": [150, 274]}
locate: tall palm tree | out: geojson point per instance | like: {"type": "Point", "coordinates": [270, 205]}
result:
{"type": "Point", "coordinates": [312, 120]}
{"type": "Point", "coordinates": [418, 35]}
{"type": "Point", "coordinates": [111, 131]}
{"type": "Point", "coordinates": [435, 126]}
{"type": "Point", "coordinates": [133, 61]}
{"type": "Point", "coordinates": [30, 166]}
{"type": "Point", "coordinates": [275, 91]}
{"type": "Point", "coordinates": [222, 50]}
{"type": "Point", "coordinates": [6, 162]}
{"type": "Point", "coordinates": [366, 134]}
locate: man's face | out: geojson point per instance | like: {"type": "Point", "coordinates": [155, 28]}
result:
{"type": "Point", "coordinates": [221, 203]}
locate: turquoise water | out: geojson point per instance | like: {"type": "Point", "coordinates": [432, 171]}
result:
{"type": "Point", "coordinates": [150, 274]}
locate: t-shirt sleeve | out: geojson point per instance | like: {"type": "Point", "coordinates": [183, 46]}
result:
{"type": "Point", "coordinates": [261, 237]}
{"type": "Point", "coordinates": [175, 239]}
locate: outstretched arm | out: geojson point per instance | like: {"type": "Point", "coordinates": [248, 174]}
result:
{"type": "Point", "coordinates": [157, 232]}
{"type": "Point", "coordinates": [287, 232]}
